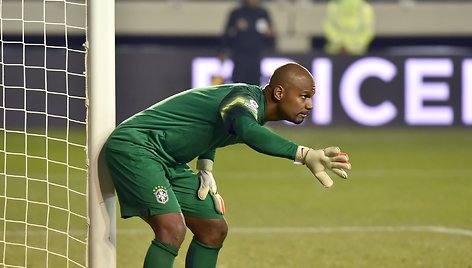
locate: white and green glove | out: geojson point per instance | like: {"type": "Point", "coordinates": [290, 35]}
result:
{"type": "Point", "coordinates": [319, 161]}
{"type": "Point", "coordinates": [208, 184]}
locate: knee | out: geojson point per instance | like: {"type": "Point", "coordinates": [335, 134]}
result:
{"type": "Point", "coordinates": [173, 233]}
{"type": "Point", "coordinates": [214, 234]}
{"type": "Point", "coordinates": [220, 231]}
{"type": "Point", "coordinates": [170, 230]}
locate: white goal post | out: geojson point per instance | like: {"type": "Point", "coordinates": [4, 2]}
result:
{"type": "Point", "coordinates": [57, 92]}
{"type": "Point", "coordinates": [101, 121]}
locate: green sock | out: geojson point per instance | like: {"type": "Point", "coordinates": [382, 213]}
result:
{"type": "Point", "coordinates": [200, 255]}
{"type": "Point", "coordinates": [160, 255]}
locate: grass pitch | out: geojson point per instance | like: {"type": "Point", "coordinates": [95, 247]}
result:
{"type": "Point", "coordinates": [407, 203]}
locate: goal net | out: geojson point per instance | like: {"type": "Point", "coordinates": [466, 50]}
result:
{"type": "Point", "coordinates": [44, 166]}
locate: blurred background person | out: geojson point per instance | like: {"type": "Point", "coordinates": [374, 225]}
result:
{"type": "Point", "coordinates": [349, 27]}
{"type": "Point", "coordinates": [246, 35]}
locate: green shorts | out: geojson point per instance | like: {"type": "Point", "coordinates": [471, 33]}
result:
{"type": "Point", "coordinates": [146, 187]}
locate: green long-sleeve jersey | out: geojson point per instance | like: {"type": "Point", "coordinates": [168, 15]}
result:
{"type": "Point", "coordinates": [195, 122]}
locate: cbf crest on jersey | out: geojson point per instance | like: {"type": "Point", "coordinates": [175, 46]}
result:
{"type": "Point", "coordinates": [161, 195]}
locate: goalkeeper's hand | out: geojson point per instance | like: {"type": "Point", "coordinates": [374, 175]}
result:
{"type": "Point", "coordinates": [319, 161]}
{"type": "Point", "coordinates": [208, 184]}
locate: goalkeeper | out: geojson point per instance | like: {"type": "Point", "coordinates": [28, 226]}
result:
{"type": "Point", "coordinates": [147, 156]}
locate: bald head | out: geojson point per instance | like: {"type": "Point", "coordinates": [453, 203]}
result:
{"type": "Point", "coordinates": [289, 93]}
{"type": "Point", "coordinates": [291, 75]}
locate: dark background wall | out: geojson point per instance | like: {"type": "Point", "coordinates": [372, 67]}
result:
{"type": "Point", "coordinates": [147, 72]}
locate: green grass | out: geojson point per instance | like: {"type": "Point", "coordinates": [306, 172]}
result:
{"type": "Point", "coordinates": [406, 187]}
{"type": "Point", "coordinates": [55, 191]}
{"type": "Point", "coordinates": [407, 203]}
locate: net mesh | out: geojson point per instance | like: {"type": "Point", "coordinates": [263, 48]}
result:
{"type": "Point", "coordinates": [43, 169]}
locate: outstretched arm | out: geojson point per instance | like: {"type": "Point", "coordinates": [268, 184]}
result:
{"type": "Point", "coordinates": [240, 117]}
{"type": "Point", "coordinates": [317, 161]}
{"type": "Point", "coordinates": [263, 139]}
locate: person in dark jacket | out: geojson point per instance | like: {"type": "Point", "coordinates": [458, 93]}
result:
{"type": "Point", "coordinates": [246, 35]}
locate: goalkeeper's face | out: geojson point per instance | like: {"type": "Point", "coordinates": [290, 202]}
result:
{"type": "Point", "coordinates": [296, 103]}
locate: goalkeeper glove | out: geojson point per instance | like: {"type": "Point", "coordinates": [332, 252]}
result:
{"type": "Point", "coordinates": [318, 161]}
{"type": "Point", "coordinates": [208, 184]}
